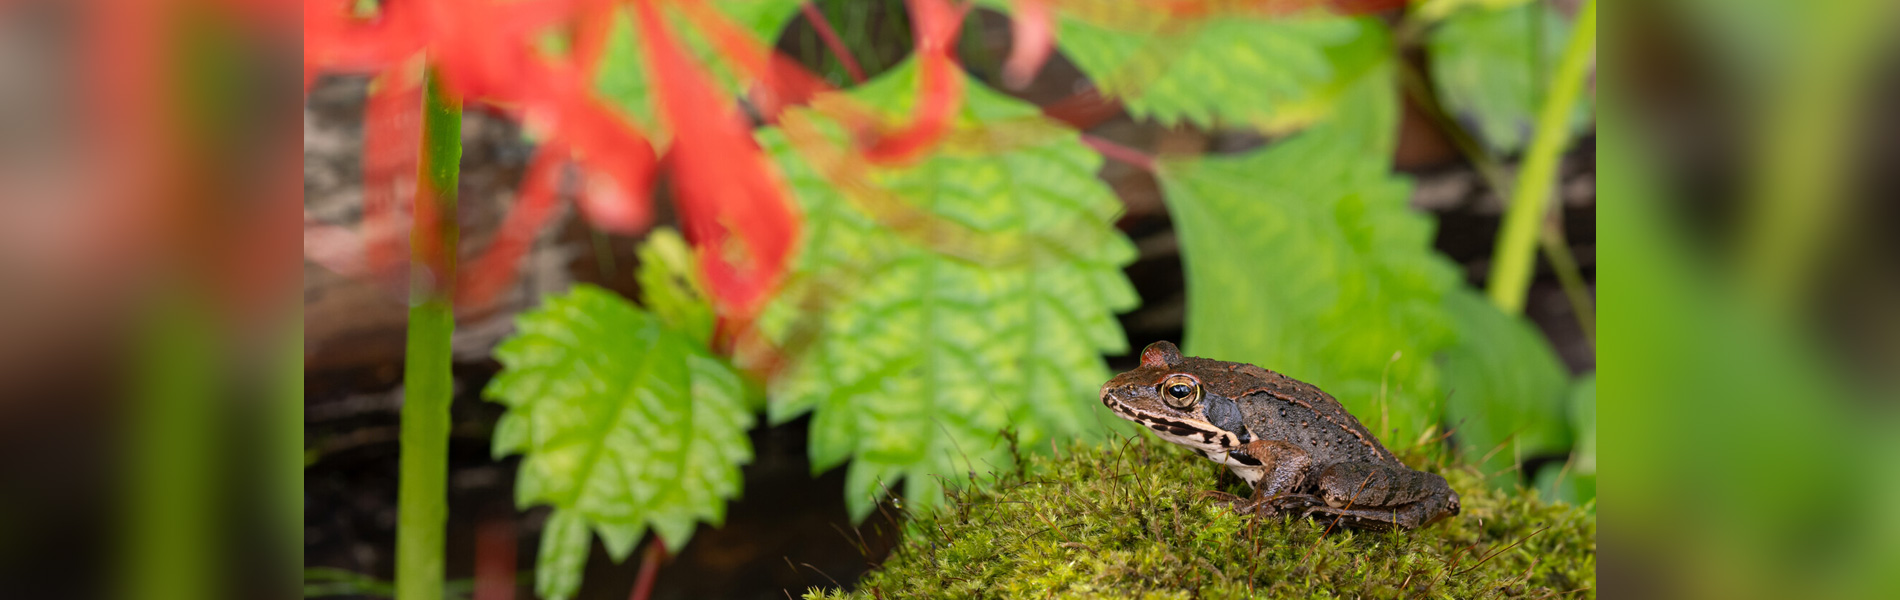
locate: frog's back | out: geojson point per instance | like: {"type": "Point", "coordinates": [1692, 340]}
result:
{"type": "Point", "coordinates": [1285, 409]}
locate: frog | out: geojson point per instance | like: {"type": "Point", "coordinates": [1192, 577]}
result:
{"type": "Point", "coordinates": [1295, 445]}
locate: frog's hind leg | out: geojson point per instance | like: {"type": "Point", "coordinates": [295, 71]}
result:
{"type": "Point", "coordinates": [1367, 485]}
{"type": "Point", "coordinates": [1378, 496]}
{"type": "Point", "coordinates": [1409, 516]}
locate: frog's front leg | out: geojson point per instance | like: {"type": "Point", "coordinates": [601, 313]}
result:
{"type": "Point", "coordinates": [1283, 471]}
{"type": "Point", "coordinates": [1376, 495]}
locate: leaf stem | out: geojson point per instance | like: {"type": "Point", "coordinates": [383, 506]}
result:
{"type": "Point", "coordinates": [1131, 156]}
{"type": "Point", "coordinates": [823, 26]}
{"type": "Point", "coordinates": [1570, 277]}
{"type": "Point", "coordinates": [1551, 236]}
{"type": "Point", "coordinates": [1511, 262]}
{"type": "Point", "coordinates": [421, 502]}
{"type": "Point", "coordinates": [649, 570]}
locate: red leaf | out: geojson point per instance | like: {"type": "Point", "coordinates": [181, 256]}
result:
{"type": "Point", "coordinates": [783, 81]}
{"type": "Point", "coordinates": [731, 203]}
{"type": "Point", "coordinates": [591, 27]}
{"type": "Point", "coordinates": [496, 268]}
{"type": "Point", "coordinates": [1032, 37]}
{"type": "Point", "coordinates": [936, 23]}
{"type": "Point", "coordinates": [618, 164]}
{"type": "Point", "coordinates": [335, 248]}
{"type": "Point", "coordinates": [392, 137]}
{"type": "Point", "coordinates": [336, 40]}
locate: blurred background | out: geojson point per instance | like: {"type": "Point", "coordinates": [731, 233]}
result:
{"type": "Point", "coordinates": [792, 526]}
{"type": "Point", "coordinates": [146, 339]}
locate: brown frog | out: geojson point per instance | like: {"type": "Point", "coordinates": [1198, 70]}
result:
{"type": "Point", "coordinates": [1297, 447]}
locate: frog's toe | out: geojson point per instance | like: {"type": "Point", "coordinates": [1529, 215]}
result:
{"type": "Point", "coordinates": [1224, 497]}
{"type": "Point", "coordinates": [1294, 501]}
{"type": "Point", "coordinates": [1240, 503]}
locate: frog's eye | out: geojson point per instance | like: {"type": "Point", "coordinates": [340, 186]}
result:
{"type": "Point", "coordinates": [1180, 391]}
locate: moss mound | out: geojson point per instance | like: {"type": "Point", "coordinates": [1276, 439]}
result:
{"type": "Point", "coordinates": [1132, 521]}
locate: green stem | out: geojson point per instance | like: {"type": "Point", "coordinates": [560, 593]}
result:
{"type": "Point", "coordinates": [1570, 277]}
{"type": "Point", "coordinates": [1511, 265]}
{"type": "Point", "coordinates": [174, 447]}
{"type": "Point", "coordinates": [1551, 237]}
{"type": "Point", "coordinates": [1808, 131]}
{"type": "Point", "coordinates": [421, 497]}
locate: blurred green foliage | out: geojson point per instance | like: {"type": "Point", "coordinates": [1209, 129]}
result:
{"type": "Point", "coordinates": [942, 307]}
{"type": "Point", "coordinates": [1575, 481]}
{"type": "Point", "coordinates": [624, 417]}
{"type": "Point", "coordinates": [924, 354]}
{"type": "Point", "coordinates": [1491, 67]}
{"type": "Point", "coordinates": [1506, 390]}
{"type": "Point", "coordinates": [1719, 399]}
{"type": "Point", "coordinates": [1303, 257]}
{"type": "Point", "coordinates": [877, 33]}
{"type": "Point", "coordinates": [1273, 74]}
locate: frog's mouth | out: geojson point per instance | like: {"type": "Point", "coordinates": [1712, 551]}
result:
{"type": "Point", "coordinates": [1196, 434]}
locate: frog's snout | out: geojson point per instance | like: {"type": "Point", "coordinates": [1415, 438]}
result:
{"type": "Point", "coordinates": [1453, 506]}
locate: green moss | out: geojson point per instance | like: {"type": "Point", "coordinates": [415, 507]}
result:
{"type": "Point", "coordinates": [1132, 521]}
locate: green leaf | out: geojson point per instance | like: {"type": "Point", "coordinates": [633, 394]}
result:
{"type": "Point", "coordinates": [1583, 421]}
{"type": "Point", "coordinates": [564, 545]}
{"type": "Point", "coordinates": [1575, 480]}
{"type": "Point", "coordinates": [624, 423]}
{"type": "Point", "coordinates": [1303, 257]}
{"type": "Point", "coordinates": [1272, 74]}
{"type": "Point", "coordinates": [670, 286]}
{"type": "Point", "coordinates": [919, 355]}
{"type": "Point", "coordinates": [1491, 67]}
{"type": "Point", "coordinates": [1507, 388]}
{"type": "Point", "coordinates": [623, 68]}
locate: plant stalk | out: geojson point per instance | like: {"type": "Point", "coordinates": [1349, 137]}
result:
{"type": "Point", "coordinates": [1517, 239]}
{"type": "Point", "coordinates": [421, 497]}
{"type": "Point", "coordinates": [830, 36]}
{"type": "Point", "coordinates": [649, 570]}
{"type": "Point", "coordinates": [1551, 236]}
{"type": "Point", "coordinates": [1808, 133]}
{"type": "Point", "coordinates": [1111, 150]}
{"type": "Point", "coordinates": [173, 515]}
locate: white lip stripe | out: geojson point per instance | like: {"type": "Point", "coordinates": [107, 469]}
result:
{"type": "Point", "coordinates": [1149, 420]}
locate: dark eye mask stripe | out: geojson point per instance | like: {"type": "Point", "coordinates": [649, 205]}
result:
{"type": "Point", "coordinates": [1185, 429]}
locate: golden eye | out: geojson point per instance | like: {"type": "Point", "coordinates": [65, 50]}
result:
{"type": "Point", "coordinates": [1180, 391]}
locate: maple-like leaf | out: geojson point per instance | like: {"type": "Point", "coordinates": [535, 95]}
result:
{"type": "Point", "coordinates": [1491, 67]}
{"type": "Point", "coordinates": [1505, 388]}
{"type": "Point", "coordinates": [947, 300]}
{"type": "Point", "coordinates": [1302, 257]}
{"type": "Point", "coordinates": [624, 422]}
{"type": "Point", "coordinates": [1274, 74]}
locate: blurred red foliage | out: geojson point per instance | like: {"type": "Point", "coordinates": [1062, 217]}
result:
{"type": "Point", "coordinates": [732, 205]}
